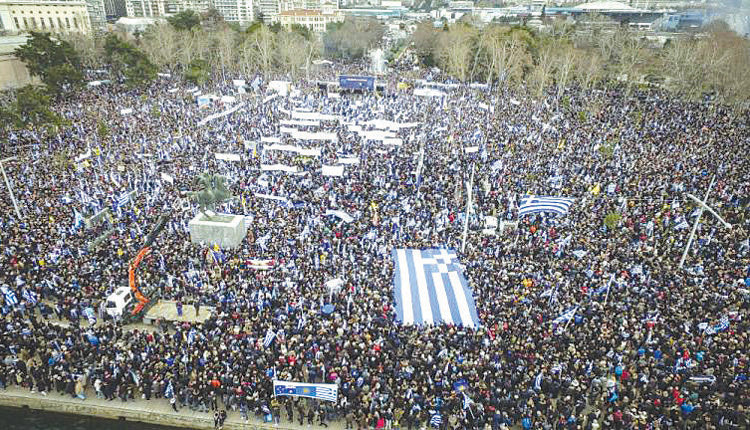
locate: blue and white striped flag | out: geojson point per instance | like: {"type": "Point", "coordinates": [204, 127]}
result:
{"type": "Point", "coordinates": [30, 297]}
{"type": "Point", "coordinates": [566, 316]}
{"type": "Point", "coordinates": [722, 325]}
{"type": "Point", "coordinates": [191, 336]}
{"type": "Point", "coordinates": [169, 391]}
{"type": "Point", "coordinates": [90, 315]}
{"type": "Point", "coordinates": [123, 199]}
{"type": "Point", "coordinates": [430, 288]}
{"type": "Point", "coordinates": [270, 336]}
{"type": "Point", "coordinates": [533, 204]}
{"type": "Point", "coordinates": [78, 220]}
{"type": "Point", "coordinates": [328, 392]}
{"type": "Point", "coordinates": [10, 296]}
{"type": "Point", "coordinates": [436, 420]}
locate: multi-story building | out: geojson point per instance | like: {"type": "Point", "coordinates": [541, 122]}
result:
{"type": "Point", "coordinates": [158, 8]}
{"type": "Point", "coordinates": [268, 9]}
{"type": "Point", "coordinates": [114, 8]}
{"type": "Point", "coordinates": [97, 14]}
{"type": "Point", "coordinates": [239, 11]}
{"type": "Point", "coordinates": [45, 15]}
{"type": "Point", "coordinates": [316, 20]}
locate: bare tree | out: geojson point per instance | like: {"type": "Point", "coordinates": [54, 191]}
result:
{"type": "Point", "coordinates": [88, 47]}
{"type": "Point", "coordinates": [504, 55]}
{"type": "Point", "coordinates": [160, 43]}
{"type": "Point", "coordinates": [258, 50]}
{"type": "Point", "coordinates": [455, 50]}
{"type": "Point", "coordinates": [225, 44]}
{"type": "Point", "coordinates": [291, 49]}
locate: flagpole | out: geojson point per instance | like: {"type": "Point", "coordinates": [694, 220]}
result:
{"type": "Point", "coordinates": [697, 220]}
{"type": "Point", "coordinates": [609, 287]}
{"type": "Point", "coordinates": [570, 319]}
{"type": "Point", "coordinates": [468, 208]}
{"type": "Point", "coordinates": [10, 189]}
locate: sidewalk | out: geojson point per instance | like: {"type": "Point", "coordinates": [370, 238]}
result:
{"type": "Point", "coordinates": [154, 411]}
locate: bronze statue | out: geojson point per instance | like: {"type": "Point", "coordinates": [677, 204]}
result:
{"type": "Point", "coordinates": [214, 191]}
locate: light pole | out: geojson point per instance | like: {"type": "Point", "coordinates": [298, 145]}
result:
{"type": "Point", "coordinates": [10, 189]}
{"type": "Point", "coordinates": [468, 208]}
{"type": "Point", "coordinates": [703, 206]}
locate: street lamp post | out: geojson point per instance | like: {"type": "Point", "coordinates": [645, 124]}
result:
{"type": "Point", "coordinates": [10, 189]}
{"type": "Point", "coordinates": [469, 186]}
{"type": "Point", "coordinates": [703, 206]}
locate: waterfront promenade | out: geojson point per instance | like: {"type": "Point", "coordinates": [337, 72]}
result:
{"type": "Point", "coordinates": [153, 411]}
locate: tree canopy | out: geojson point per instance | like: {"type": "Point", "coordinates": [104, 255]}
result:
{"type": "Point", "coordinates": [30, 108]}
{"type": "Point", "coordinates": [55, 62]}
{"type": "Point", "coordinates": [127, 62]}
{"type": "Point", "coordinates": [185, 20]}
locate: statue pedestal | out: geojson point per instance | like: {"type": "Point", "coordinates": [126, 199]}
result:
{"type": "Point", "coordinates": [225, 230]}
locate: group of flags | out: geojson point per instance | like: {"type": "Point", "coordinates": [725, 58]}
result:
{"type": "Point", "coordinates": [11, 299]}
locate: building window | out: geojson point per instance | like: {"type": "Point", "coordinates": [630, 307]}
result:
{"type": "Point", "coordinates": [59, 23]}
{"type": "Point", "coordinates": [33, 23]}
{"type": "Point", "coordinates": [41, 21]}
{"type": "Point", "coordinates": [51, 23]}
{"type": "Point", "coordinates": [75, 23]}
{"type": "Point", "coordinates": [67, 23]}
{"type": "Point", "coordinates": [25, 24]}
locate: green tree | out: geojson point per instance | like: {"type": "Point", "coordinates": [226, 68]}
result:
{"type": "Point", "coordinates": [31, 108]}
{"type": "Point", "coordinates": [101, 129]}
{"type": "Point", "coordinates": [185, 20]}
{"type": "Point", "coordinates": [611, 220]}
{"type": "Point", "coordinates": [198, 71]}
{"type": "Point", "coordinates": [128, 63]}
{"type": "Point", "coordinates": [56, 63]}
{"type": "Point", "coordinates": [302, 30]}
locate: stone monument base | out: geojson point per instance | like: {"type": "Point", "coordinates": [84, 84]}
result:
{"type": "Point", "coordinates": [225, 230]}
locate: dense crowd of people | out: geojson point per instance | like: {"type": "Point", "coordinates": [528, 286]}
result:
{"type": "Point", "coordinates": [649, 345]}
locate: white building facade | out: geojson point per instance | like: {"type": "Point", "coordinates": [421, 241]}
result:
{"type": "Point", "coordinates": [239, 11]}
{"type": "Point", "coordinates": [56, 16]}
{"type": "Point", "coordinates": [160, 8]}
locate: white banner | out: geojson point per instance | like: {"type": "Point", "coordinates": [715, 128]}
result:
{"type": "Point", "coordinates": [278, 167]}
{"type": "Point", "coordinates": [127, 111]}
{"type": "Point", "coordinates": [83, 156]}
{"type": "Point", "coordinates": [220, 114]}
{"type": "Point", "coordinates": [333, 170]}
{"type": "Point", "coordinates": [299, 122]}
{"type": "Point", "coordinates": [314, 116]}
{"type": "Point", "coordinates": [377, 135]}
{"type": "Point", "coordinates": [341, 214]}
{"type": "Point", "coordinates": [312, 152]}
{"type": "Point", "coordinates": [238, 82]}
{"type": "Point", "coordinates": [227, 157]}
{"type": "Point", "coordinates": [270, 139]}
{"type": "Point", "coordinates": [167, 178]}
{"type": "Point", "coordinates": [348, 160]}
{"type": "Point", "coordinates": [271, 97]}
{"type": "Point", "coordinates": [393, 141]}
{"type": "Point", "coordinates": [306, 135]}
{"type": "Point", "coordinates": [270, 197]}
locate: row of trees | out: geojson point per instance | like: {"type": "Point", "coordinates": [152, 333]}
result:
{"type": "Point", "coordinates": [197, 47]}
{"type": "Point", "coordinates": [188, 43]}
{"type": "Point", "coordinates": [712, 63]}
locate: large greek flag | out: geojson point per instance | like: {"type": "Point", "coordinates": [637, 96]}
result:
{"type": "Point", "coordinates": [10, 296]}
{"type": "Point", "coordinates": [533, 204]}
{"type": "Point", "coordinates": [327, 392]}
{"type": "Point", "coordinates": [430, 288]}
